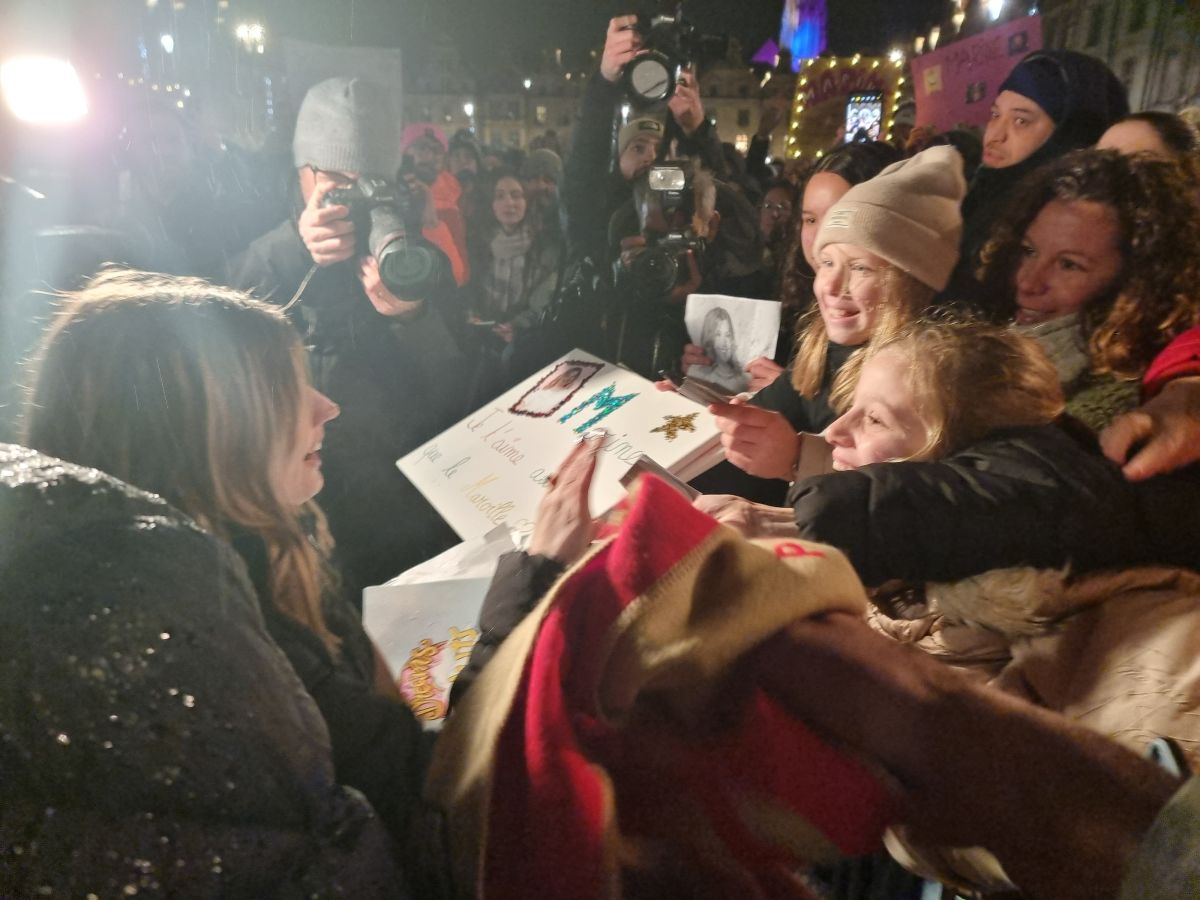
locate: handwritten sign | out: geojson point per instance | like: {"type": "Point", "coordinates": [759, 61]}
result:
{"type": "Point", "coordinates": [492, 467]}
{"type": "Point", "coordinates": [957, 84]}
{"type": "Point", "coordinates": [425, 621]}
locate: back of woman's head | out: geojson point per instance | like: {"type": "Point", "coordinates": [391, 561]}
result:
{"type": "Point", "coordinates": [1176, 134]}
{"type": "Point", "coordinates": [858, 162]}
{"type": "Point", "coordinates": [1155, 296]}
{"type": "Point", "coordinates": [968, 378]}
{"type": "Point", "coordinates": [193, 392]}
{"type": "Point", "coordinates": [171, 384]}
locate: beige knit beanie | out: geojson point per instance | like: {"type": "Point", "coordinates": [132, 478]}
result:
{"type": "Point", "coordinates": [909, 214]}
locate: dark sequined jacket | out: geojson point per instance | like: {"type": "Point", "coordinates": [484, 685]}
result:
{"type": "Point", "coordinates": [153, 739]}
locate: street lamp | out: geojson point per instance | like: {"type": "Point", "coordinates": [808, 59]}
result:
{"type": "Point", "coordinates": [528, 82]}
{"type": "Point", "coordinates": [994, 8]}
{"type": "Point", "coordinates": [42, 90]}
{"type": "Point", "coordinates": [896, 56]}
{"type": "Point", "coordinates": [252, 35]}
{"type": "Point", "coordinates": [934, 33]}
{"type": "Point", "coordinates": [469, 109]}
{"type": "Point", "coordinates": [168, 43]}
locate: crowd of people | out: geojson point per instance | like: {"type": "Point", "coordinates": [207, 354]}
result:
{"type": "Point", "coordinates": [975, 641]}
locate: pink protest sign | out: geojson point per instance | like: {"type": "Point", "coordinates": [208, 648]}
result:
{"type": "Point", "coordinates": [957, 84]}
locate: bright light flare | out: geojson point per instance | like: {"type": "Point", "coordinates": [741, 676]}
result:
{"type": "Point", "coordinates": [42, 90]}
{"type": "Point", "coordinates": [168, 43]}
{"type": "Point", "coordinates": [995, 8]}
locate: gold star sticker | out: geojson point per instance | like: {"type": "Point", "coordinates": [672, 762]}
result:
{"type": "Point", "coordinates": [675, 424]}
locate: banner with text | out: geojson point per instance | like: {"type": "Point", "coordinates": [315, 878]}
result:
{"type": "Point", "coordinates": [956, 85]}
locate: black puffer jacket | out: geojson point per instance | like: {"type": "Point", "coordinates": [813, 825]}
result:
{"type": "Point", "coordinates": [1041, 497]}
{"type": "Point", "coordinates": [378, 745]}
{"type": "Point", "coordinates": [153, 739]}
{"type": "Point", "coordinates": [520, 581]}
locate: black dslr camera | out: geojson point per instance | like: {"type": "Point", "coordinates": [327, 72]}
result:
{"type": "Point", "coordinates": [387, 220]}
{"type": "Point", "coordinates": [665, 216]}
{"type": "Point", "coordinates": [668, 47]}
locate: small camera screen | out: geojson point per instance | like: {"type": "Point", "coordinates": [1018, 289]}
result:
{"type": "Point", "coordinates": [864, 113]}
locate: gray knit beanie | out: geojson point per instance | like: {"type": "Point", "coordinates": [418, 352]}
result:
{"type": "Point", "coordinates": [909, 214]}
{"type": "Point", "coordinates": [347, 125]}
{"type": "Point", "coordinates": [545, 163]}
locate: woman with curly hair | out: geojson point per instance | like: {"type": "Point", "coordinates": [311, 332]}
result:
{"type": "Point", "coordinates": [1098, 259]}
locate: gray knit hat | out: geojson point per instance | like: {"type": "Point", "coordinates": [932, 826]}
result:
{"type": "Point", "coordinates": [347, 125]}
{"type": "Point", "coordinates": [909, 214]}
{"type": "Point", "coordinates": [545, 163]}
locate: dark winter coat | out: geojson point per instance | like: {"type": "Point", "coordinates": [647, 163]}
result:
{"type": "Point", "coordinates": [592, 190]}
{"type": "Point", "coordinates": [520, 581]}
{"type": "Point", "coordinates": [398, 384]}
{"type": "Point", "coordinates": [1040, 496]}
{"type": "Point", "coordinates": [809, 414]}
{"type": "Point", "coordinates": [812, 414]}
{"type": "Point", "coordinates": [378, 745]}
{"type": "Point", "coordinates": [153, 739]}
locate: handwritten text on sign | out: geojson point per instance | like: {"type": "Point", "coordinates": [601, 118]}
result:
{"type": "Point", "coordinates": [491, 468]}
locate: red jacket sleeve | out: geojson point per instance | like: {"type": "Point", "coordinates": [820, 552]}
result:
{"type": "Point", "coordinates": [1181, 358]}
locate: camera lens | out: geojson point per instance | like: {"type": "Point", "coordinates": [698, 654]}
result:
{"type": "Point", "coordinates": [654, 273]}
{"type": "Point", "coordinates": [411, 267]}
{"type": "Point", "coordinates": [405, 267]}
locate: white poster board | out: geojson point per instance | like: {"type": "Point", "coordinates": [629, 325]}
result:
{"type": "Point", "coordinates": [425, 622]}
{"type": "Point", "coordinates": [492, 467]}
{"type": "Point", "coordinates": [732, 331]}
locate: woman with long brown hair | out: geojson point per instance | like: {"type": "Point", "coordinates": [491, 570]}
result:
{"type": "Point", "coordinates": [201, 395]}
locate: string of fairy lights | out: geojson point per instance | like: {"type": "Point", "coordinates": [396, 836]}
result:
{"type": "Point", "coordinates": [890, 83]}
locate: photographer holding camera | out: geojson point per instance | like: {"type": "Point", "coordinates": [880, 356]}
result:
{"type": "Point", "coordinates": [596, 184]}
{"type": "Point", "coordinates": [375, 298]}
{"type": "Point", "coordinates": [683, 232]}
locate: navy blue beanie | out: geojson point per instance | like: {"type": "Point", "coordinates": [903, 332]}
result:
{"type": "Point", "coordinates": [1043, 81]}
{"type": "Point", "coordinates": [1079, 92]}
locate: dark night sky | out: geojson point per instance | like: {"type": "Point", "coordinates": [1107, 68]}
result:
{"type": "Point", "coordinates": [517, 29]}
{"type": "Point", "coordinates": [490, 32]}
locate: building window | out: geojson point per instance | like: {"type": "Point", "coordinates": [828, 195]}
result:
{"type": "Point", "coordinates": [1095, 26]}
{"type": "Point", "coordinates": [1137, 16]}
{"type": "Point", "coordinates": [540, 115]}
{"type": "Point", "coordinates": [743, 118]}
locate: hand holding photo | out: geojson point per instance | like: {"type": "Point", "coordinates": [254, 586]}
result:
{"type": "Point", "coordinates": [732, 331]}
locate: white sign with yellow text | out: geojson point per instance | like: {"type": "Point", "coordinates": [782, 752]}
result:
{"type": "Point", "coordinates": [492, 467]}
